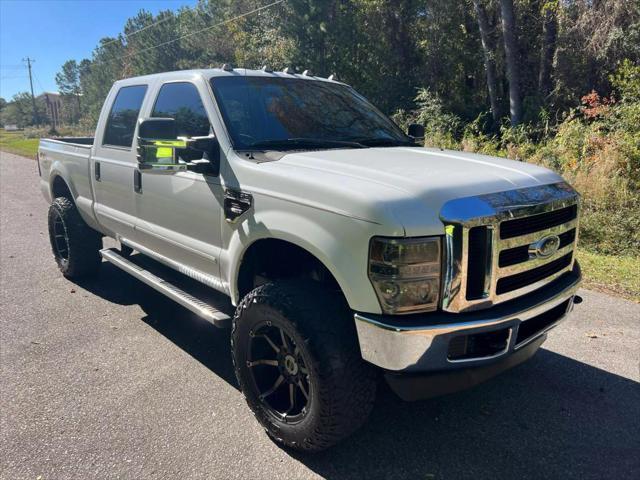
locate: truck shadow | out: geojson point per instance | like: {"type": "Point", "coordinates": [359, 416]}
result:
{"type": "Point", "coordinates": [203, 341]}
{"type": "Point", "coordinates": [552, 417]}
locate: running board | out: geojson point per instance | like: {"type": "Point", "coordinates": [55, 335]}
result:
{"type": "Point", "coordinates": [197, 306]}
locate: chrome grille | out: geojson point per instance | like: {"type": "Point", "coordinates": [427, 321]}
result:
{"type": "Point", "coordinates": [513, 256]}
{"type": "Point", "coordinates": [489, 238]}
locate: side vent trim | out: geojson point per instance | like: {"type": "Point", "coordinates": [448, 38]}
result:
{"type": "Point", "coordinates": [236, 203]}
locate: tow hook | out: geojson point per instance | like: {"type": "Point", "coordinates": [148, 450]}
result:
{"type": "Point", "coordinates": [577, 299]}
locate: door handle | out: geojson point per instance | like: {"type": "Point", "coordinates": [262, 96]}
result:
{"type": "Point", "coordinates": [97, 171]}
{"type": "Point", "coordinates": [137, 181]}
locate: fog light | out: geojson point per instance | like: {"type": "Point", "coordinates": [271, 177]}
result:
{"type": "Point", "coordinates": [390, 290]}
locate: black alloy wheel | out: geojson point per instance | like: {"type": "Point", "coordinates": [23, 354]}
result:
{"type": "Point", "coordinates": [298, 363]}
{"type": "Point", "coordinates": [60, 239]}
{"type": "Point", "coordinates": [279, 372]}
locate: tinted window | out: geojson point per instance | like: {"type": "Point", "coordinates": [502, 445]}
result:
{"type": "Point", "coordinates": [182, 102]}
{"type": "Point", "coordinates": [123, 116]}
{"type": "Point", "coordinates": [267, 109]}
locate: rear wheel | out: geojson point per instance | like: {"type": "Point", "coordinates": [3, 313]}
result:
{"type": "Point", "coordinates": [75, 245]}
{"type": "Point", "coordinates": [298, 363]}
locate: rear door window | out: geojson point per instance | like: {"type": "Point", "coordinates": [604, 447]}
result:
{"type": "Point", "coordinates": [121, 123]}
{"type": "Point", "coordinates": [182, 102]}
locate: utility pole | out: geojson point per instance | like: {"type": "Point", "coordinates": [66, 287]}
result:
{"type": "Point", "coordinates": [33, 98]}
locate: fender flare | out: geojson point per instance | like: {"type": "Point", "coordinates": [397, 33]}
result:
{"type": "Point", "coordinates": [58, 170]}
{"type": "Point", "coordinates": [238, 249]}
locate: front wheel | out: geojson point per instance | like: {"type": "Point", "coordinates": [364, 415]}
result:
{"type": "Point", "coordinates": [299, 366]}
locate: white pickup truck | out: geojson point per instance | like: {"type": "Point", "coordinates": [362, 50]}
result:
{"type": "Point", "coordinates": [346, 249]}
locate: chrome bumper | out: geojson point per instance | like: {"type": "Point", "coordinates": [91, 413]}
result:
{"type": "Point", "coordinates": [420, 343]}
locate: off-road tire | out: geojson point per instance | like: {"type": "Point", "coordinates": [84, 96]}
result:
{"type": "Point", "coordinates": [83, 244]}
{"type": "Point", "coordinates": [342, 385]}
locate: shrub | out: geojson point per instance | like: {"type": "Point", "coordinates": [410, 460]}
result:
{"type": "Point", "coordinates": [441, 128]}
{"type": "Point", "coordinates": [596, 147]}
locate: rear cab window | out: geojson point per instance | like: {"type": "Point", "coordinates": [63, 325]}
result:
{"type": "Point", "coordinates": [121, 123]}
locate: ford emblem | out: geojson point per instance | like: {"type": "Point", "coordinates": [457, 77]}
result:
{"type": "Point", "coordinates": [545, 247]}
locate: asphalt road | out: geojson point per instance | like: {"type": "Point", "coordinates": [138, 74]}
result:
{"type": "Point", "coordinates": [93, 386]}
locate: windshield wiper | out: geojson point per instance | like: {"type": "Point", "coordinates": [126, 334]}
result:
{"type": "Point", "coordinates": [385, 142]}
{"type": "Point", "coordinates": [293, 143]}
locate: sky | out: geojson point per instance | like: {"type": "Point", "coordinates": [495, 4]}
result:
{"type": "Point", "coordinates": [54, 31]}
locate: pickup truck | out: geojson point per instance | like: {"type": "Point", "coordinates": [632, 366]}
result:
{"type": "Point", "coordinates": [340, 252]}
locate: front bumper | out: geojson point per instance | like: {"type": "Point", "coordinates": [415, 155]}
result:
{"type": "Point", "coordinates": [423, 343]}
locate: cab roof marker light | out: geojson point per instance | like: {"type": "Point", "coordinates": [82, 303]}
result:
{"type": "Point", "coordinates": [267, 69]}
{"type": "Point", "coordinates": [227, 67]}
{"type": "Point", "coordinates": [332, 78]}
{"type": "Point", "coordinates": [289, 71]}
{"type": "Point", "coordinates": [307, 73]}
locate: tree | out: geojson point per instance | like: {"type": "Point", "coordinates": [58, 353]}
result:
{"type": "Point", "coordinates": [3, 104]}
{"type": "Point", "coordinates": [511, 59]}
{"type": "Point", "coordinates": [548, 49]}
{"type": "Point", "coordinates": [551, 53]}
{"type": "Point", "coordinates": [68, 81]}
{"type": "Point", "coordinates": [19, 111]}
{"type": "Point", "coordinates": [489, 59]}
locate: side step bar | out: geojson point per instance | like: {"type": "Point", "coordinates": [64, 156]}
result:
{"type": "Point", "coordinates": [197, 306]}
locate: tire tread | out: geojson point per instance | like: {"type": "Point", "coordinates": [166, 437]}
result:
{"type": "Point", "coordinates": [348, 383]}
{"type": "Point", "coordinates": [84, 242]}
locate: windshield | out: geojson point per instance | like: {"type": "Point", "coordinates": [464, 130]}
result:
{"type": "Point", "coordinates": [288, 113]}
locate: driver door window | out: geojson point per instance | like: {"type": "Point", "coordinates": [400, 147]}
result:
{"type": "Point", "coordinates": [181, 101]}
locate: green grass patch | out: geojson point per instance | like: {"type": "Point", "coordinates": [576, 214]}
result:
{"type": "Point", "coordinates": [15, 142]}
{"type": "Point", "coordinates": [618, 274]}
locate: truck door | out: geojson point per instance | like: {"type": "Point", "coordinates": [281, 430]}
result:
{"type": "Point", "coordinates": [114, 161]}
{"type": "Point", "coordinates": [179, 215]}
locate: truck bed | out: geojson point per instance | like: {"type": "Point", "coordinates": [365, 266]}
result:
{"type": "Point", "coordinates": [68, 158]}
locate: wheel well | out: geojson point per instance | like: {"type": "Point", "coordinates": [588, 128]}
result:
{"type": "Point", "coordinates": [273, 259]}
{"type": "Point", "coordinates": [59, 188]}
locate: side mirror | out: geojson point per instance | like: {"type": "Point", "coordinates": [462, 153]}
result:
{"type": "Point", "coordinates": [416, 131]}
{"type": "Point", "coordinates": [210, 164]}
{"type": "Point", "coordinates": [158, 129]}
{"type": "Point", "coordinates": [157, 143]}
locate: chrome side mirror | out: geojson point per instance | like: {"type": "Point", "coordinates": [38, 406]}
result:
{"type": "Point", "coordinates": [157, 144]}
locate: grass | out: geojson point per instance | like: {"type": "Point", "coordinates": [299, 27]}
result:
{"type": "Point", "coordinates": [619, 275]}
{"type": "Point", "coordinates": [15, 142]}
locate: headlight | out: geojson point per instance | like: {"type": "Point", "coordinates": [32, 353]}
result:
{"type": "Point", "coordinates": [405, 273]}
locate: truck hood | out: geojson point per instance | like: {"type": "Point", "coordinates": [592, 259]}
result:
{"type": "Point", "coordinates": [408, 183]}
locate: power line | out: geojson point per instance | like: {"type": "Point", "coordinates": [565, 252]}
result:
{"type": "Point", "coordinates": [126, 37]}
{"type": "Point", "coordinates": [246, 14]}
{"type": "Point", "coordinates": [38, 82]}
